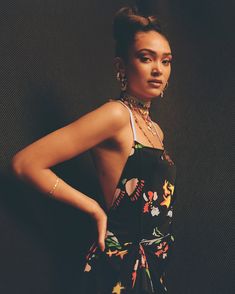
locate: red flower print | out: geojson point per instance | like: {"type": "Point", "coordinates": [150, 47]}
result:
{"type": "Point", "coordinates": [162, 249]}
{"type": "Point", "coordinates": [134, 188]}
{"type": "Point", "coordinates": [148, 206]}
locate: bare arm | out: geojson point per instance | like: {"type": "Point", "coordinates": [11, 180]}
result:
{"type": "Point", "coordinates": [32, 164]}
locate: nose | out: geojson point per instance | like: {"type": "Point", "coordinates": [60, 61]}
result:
{"type": "Point", "coordinates": [156, 70]}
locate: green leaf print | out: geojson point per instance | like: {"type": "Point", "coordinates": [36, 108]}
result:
{"type": "Point", "coordinates": [157, 233]}
{"type": "Point", "coordinates": [112, 241]}
{"type": "Point", "coordinates": [138, 145]}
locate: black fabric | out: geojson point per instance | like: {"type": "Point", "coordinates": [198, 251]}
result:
{"type": "Point", "coordinates": [56, 65]}
{"type": "Point", "coordinates": [139, 231]}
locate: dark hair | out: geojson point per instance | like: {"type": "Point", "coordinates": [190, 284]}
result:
{"type": "Point", "coordinates": [127, 22]}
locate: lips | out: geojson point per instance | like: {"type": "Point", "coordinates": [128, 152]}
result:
{"type": "Point", "coordinates": [155, 81]}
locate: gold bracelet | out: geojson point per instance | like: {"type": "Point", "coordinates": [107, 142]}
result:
{"type": "Point", "coordinates": [56, 184]}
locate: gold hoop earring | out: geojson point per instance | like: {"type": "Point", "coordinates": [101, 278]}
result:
{"type": "Point", "coordinates": [123, 80]}
{"type": "Point", "coordinates": [167, 84]}
{"type": "Point", "coordinates": [162, 93]}
{"type": "Point", "coordinates": [118, 76]}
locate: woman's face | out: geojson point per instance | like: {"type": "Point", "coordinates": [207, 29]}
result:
{"type": "Point", "coordinates": [149, 65]}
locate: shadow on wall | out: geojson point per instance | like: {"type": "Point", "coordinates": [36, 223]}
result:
{"type": "Point", "coordinates": [47, 237]}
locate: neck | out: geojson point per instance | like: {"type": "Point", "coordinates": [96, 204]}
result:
{"type": "Point", "coordinates": [138, 102]}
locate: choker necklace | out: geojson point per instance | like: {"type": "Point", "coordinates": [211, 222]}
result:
{"type": "Point", "coordinates": [142, 106]}
{"type": "Point", "coordinates": [143, 109]}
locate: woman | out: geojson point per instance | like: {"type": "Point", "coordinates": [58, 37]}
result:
{"type": "Point", "coordinates": [136, 174]}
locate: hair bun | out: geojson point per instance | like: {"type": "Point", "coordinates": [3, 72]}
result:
{"type": "Point", "coordinates": [127, 22]}
{"type": "Point", "coordinates": [122, 21]}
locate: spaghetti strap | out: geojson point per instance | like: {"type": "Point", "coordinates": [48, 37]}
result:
{"type": "Point", "coordinates": [139, 239]}
{"type": "Point", "coordinates": [132, 120]}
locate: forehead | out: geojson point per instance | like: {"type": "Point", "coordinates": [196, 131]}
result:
{"type": "Point", "coordinates": [151, 40]}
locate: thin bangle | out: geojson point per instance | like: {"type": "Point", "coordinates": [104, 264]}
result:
{"type": "Point", "coordinates": [56, 184]}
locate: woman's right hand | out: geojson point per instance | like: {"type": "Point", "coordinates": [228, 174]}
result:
{"type": "Point", "coordinates": [100, 217]}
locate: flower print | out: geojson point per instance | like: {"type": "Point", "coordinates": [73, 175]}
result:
{"type": "Point", "coordinates": [118, 288]}
{"type": "Point", "coordinates": [123, 181]}
{"type": "Point", "coordinates": [144, 264]}
{"type": "Point", "coordinates": [117, 197]}
{"type": "Point", "coordinates": [134, 188]}
{"type": "Point", "coordinates": [162, 249]}
{"type": "Point", "coordinates": [134, 273]}
{"type": "Point", "coordinates": [157, 233]}
{"type": "Point", "coordinates": [155, 211]}
{"type": "Point", "coordinates": [92, 253]}
{"type": "Point", "coordinates": [111, 240]}
{"type": "Point", "coordinates": [170, 213]}
{"type": "Point", "coordinates": [116, 193]}
{"type": "Point", "coordinates": [138, 145]}
{"type": "Point", "coordinates": [141, 262]}
{"type": "Point", "coordinates": [119, 253]}
{"type": "Point", "coordinates": [131, 185]}
{"type": "Point", "coordinates": [168, 190]}
{"type": "Point", "coordinates": [148, 206]}
{"type": "Point", "coordinates": [162, 280]}
{"type": "Point", "coordinates": [87, 267]}
{"type": "Point", "coordinates": [113, 246]}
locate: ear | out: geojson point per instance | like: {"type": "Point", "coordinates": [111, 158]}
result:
{"type": "Point", "coordinates": [119, 64]}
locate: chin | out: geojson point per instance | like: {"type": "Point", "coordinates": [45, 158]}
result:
{"type": "Point", "coordinates": [153, 93]}
{"type": "Point", "coordinates": [147, 93]}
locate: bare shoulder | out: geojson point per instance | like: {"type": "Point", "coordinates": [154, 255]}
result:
{"type": "Point", "coordinates": [115, 111]}
{"type": "Point", "coordinates": [109, 116]}
{"type": "Point", "coordinates": [116, 108]}
{"type": "Point", "coordinates": [93, 128]}
{"type": "Point", "coordinates": [159, 130]}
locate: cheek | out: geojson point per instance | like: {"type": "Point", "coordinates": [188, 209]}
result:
{"type": "Point", "coordinates": [168, 71]}
{"type": "Point", "coordinates": [139, 71]}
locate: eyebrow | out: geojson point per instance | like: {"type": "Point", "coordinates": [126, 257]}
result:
{"type": "Point", "coordinates": [153, 52]}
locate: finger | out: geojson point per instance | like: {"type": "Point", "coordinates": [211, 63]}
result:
{"type": "Point", "coordinates": [101, 239]}
{"type": "Point", "coordinates": [101, 245]}
{"type": "Point", "coordinates": [101, 234]}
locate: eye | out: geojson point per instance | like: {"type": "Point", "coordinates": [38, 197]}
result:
{"type": "Point", "coordinates": [167, 61]}
{"type": "Point", "coordinates": [145, 59]}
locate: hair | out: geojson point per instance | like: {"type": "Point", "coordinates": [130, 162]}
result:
{"type": "Point", "coordinates": [127, 22]}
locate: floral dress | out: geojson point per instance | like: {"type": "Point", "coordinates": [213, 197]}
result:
{"type": "Point", "coordinates": [139, 227]}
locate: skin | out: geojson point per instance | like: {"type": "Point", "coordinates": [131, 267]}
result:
{"type": "Point", "coordinates": [144, 65]}
{"type": "Point", "coordinates": [109, 138]}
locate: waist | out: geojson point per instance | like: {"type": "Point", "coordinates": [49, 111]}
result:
{"type": "Point", "coordinates": [120, 240]}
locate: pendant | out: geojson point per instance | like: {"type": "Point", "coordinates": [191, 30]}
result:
{"type": "Point", "coordinates": [151, 130]}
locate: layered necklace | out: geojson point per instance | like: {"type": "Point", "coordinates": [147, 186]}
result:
{"type": "Point", "coordinates": [142, 108]}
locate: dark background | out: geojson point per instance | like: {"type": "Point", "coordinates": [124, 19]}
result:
{"type": "Point", "coordinates": [56, 64]}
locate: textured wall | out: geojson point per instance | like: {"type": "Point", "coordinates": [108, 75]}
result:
{"type": "Point", "coordinates": [56, 65]}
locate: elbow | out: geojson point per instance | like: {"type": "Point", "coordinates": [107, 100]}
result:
{"type": "Point", "coordinates": [18, 165]}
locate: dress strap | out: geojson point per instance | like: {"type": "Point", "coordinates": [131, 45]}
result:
{"type": "Point", "coordinates": [132, 119]}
